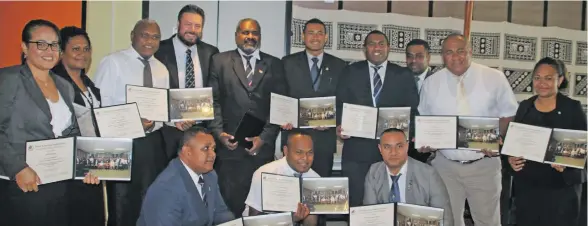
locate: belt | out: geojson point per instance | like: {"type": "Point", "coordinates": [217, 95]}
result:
{"type": "Point", "coordinates": [465, 162]}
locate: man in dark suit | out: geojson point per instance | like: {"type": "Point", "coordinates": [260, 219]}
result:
{"type": "Point", "coordinates": [187, 59]}
{"type": "Point", "coordinates": [376, 83]}
{"type": "Point", "coordinates": [242, 81]}
{"type": "Point", "coordinates": [314, 73]}
{"type": "Point", "coordinates": [187, 192]}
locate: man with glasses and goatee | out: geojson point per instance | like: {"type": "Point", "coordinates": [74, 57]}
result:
{"type": "Point", "coordinates": [187, 58]}
{"type": "Point", "coordinates": [242, 81]}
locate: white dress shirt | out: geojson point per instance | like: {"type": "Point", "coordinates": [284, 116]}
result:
{"type": "Point", "coordinates": [280, 167]}
{"type": "Point", "coordinates": [310, 62]}
{"type": "Point", "coordinates": [255, 57]}
{"type": "Point", "coordinates": [61, 115]}
{"type": "Point", "coordinates": [401, 181]}
{"type": "Point", "coordinates": [488, 94]}
{"type": "Point", "coordinates": [195, 177]}
{"type": "Point", "coordinates": [381, 72]}
{"type": "Point", "coordinates": [124, 67]}
{"type": "Point", "coordinates": [180, 50]}
{"type": "Point", "coordinates": [422, 77]}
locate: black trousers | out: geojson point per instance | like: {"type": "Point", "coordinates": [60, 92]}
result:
{"type": "Point", "coordinates": [234, 178]}
{"type": "Point", "coordinates": [49, 206]}
{"type": "Point", "coordinates": [540, 206]}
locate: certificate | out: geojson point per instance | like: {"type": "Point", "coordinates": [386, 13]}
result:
{"type": "Point", "coordinates": [526, 141]}
{"type": "Point", "coordinates": [236, 222]}
{"type": "Point", "coordinates": [326, 195]}
{"type": "Point", "coordinates": [317, 112]}
{"type": "Point", "coordinates": [477, 133]}
{"type": "Point", "coordinates": [276, 193]}
{"type": "Point", "coordinates": [283, 110]}
{"type": "Point", "coordinates": [193, 104]}
{"type": "Point", "coordinates": [359, 121]}
{"type": "Point", "coordinates": [277, 219]}
{"type": "Point", "coordinates": [437, 132]}
{"type": "Point", "coordinates": [393, 117]}
{"type": "Point", "coordinates": [84, 118]}
{"type": "Point", "coordinates": [373, 215]}
{"type": "Point", "coordinates": [152, 102]}
{"type": "Point", "coordinates": [120, 121]}
{"type": "Point", "coordinates": [52, 160]}
{"type": "Point", "coordinates": [406, 213]}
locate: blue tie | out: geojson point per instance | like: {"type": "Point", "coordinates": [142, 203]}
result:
{"type": "Point", "coordinates": [314, 73]}
{"type": "Point", "coordinates": [377, 84]}
{"type": "Point", "coordinates": [201, 183]}
{"type": "Point", "coordinates": [395, 190]}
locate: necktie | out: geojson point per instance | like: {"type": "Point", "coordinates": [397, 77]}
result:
{"type": "Point", "coordinates": [463, 106]}
{"type": "Point", "coordinates": [314, 73]}
{"type": "Point", "coordinates": [190, 82]}
{"type": "Point", "coordinates": [395, 190]}
{"type": "Point", "coordinates": [298, 175]}
{"type": "Point", "coordinates": [248, 70]}
{"type": "Point", "coordinates": [147, 77]}
{"type": "Point", "coordinates": [377, 83]}
{"type": "Point", "coordinates": [201, 183]}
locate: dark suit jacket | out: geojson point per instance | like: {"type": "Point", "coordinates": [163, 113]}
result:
{"type": "Point", "coordinates": [26, 116]}
{"type": "Point", "coordinates": [233, 97]}
{"type": "Point", "coordinates": [299, 85]}
{"type": "Point", "coordinates": [174, 200]}
{"type": "Point", "coordinates": [399, 90]}
{"type": "Point", "coordinates": [167, 55]}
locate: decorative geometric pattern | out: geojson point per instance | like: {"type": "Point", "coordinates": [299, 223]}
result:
{"type": "Point", "coordinates": [521, 80]}
{"type": "Point", "coordinates": [298, 29]}
{"type": "Point", "coordinates": [485, 45]}
{"type": "Point", "coordinates": [435, 38]}
{"type": "Point", "coordinates": [400, 36]}
{"type": "Point", "coordinates": [352, 35]}
{"type": "Point", "coordinates": [580, 87]}
{"type": "Point", "coordinates": [350, 61]}
{"type": "Point", "coordinates": [520, 48]}
{"type": "Point", "coordinates": [557, 48]}
{"type": "Point", "coordinates": [581, 53]}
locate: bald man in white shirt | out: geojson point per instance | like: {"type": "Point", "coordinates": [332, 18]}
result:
{"type": "Point", "coordinates": [469, 89]}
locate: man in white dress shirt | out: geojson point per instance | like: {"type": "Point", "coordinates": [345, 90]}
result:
{"type": "Point", "coordinates": [135, 66]}
{"type": "Point", "coordinates": [298, 157]}
{"type": "Point", "coordinates": [469, 89]}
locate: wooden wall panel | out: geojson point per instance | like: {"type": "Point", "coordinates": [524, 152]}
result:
{"type": "Point", "coordinates": [455, 9]}
{"type": "Point", "coordinates": [316, 4]}
{"type": "Point", "coordinates": [413, 8]}
{"type": "Point", "coordinates": [565, 14]}
{"type": "Point", "coordinates": [492, 11]}
{"type": "Point", "coordinates": [366, 6]}
{"type": "Point", "coordinates": [527, 13]}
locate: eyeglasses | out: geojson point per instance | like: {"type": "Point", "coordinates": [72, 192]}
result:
{"type": "Point", "coordinates": [41, 45]}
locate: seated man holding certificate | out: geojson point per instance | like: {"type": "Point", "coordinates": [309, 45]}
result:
{"type": "Point", "coordinates": [298, 157]}
{"type": "Point", "coordinates": [187, 192]}
{"type": "Point", "coordinates": [400, 178]}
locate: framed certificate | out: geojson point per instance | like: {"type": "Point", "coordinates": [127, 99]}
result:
{"type": "Point", "coordinates": [369, 122]}
{"type": "Point", "coordinates": [457, 132]}
{"type": "Point", "coordinates": [303, 112]}
{"type": "Point", "coordinates": [73, 157]}
{"type": "Point", "coordinates": [408, 214]}
{"type": "Point", "coordinates": [119, 121]}
{"type": "Point", "coordinates": [277, 219]}
{"type": "Point", "coordinates": [373, 215]}
{"type": "Point", "coordinates": [236, 222]}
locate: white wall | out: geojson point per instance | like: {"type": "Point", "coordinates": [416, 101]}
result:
{"type": "Point", "coordinates": [166, 15]}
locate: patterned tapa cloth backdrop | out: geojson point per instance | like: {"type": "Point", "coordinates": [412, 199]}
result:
{"type": "Point", "coordinates": [511, 48]}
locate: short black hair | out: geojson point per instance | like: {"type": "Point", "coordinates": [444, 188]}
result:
{"type": "Point", "coordinates": [314, 21]}
{"type": "Point", "coordinates": [394, 130]}
{"type": "Point", "coordinates": [419, 42]}
{"type": "Point", "coordinates": [295, 132]}
{"type": "Point", "coordinates": [191, 9]}
{"type": "Point", "coordinates": [377, 32]}
{"type": "Point", "coordinates": [558, 65]}
{"type": "Point", "coordinates": [69, 32]}
{"type": "Point", "coordinates": [191, 133]}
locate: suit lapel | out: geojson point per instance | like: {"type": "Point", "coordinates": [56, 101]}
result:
{"type": "Point", "coordinates": [365, 84]}
{"type": "Point", "coordinates": [325, 75]}
{"type": "Point", "coordinates": [239, 69]}
{"type": "Point", "coordinates": [409, 187]}
{"type": "Point", "coordinates": [260, 71]}
{"type": "Point", "coordinates": [190, 186]}
{"type": "Point", "coordinates": [34, 91]}
{"type": "Point", "coordinates": [305, 70]}
{"type": "Point", "coordinates": [382, 178]}
{"type": "Point", "coordinates": [169, 54]}
{"type": "Point", "coordinates": [209, 199]}
{"type": "Point", "coordinates": [203, 61]}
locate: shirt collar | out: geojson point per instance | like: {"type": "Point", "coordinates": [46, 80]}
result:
{"type": "Point", "coordinates": [320, 57]}
{"type": "Point", "coordinates": [403, 170]}
{"type": "Point", "coordinates": [286, 167]}
{"type": "Point", "coordinates": [382, 65]}
{"type": "Point", "coordinates": [194, 175]}
{"type": "Point", "coordinates": [463, 76]}
{"type": "Point", "coordinates": [424, 74]}
{"type": "Point", "coordinates": [134, 54]}
{"type": "Point", "coordinates": [179, 43]}
{"type": "Point", "coordinates": [255, 53]}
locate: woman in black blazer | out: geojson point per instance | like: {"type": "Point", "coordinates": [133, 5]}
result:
{"type": "Point", "coordinates": [76, 53]}
{"type": "Point", "coordinates": [548, 194]}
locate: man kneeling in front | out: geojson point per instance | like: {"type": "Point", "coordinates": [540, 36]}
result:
{"type": "Point", "coordinates": [402, 179]}
{"type": "Point", "coordinates": [298, 156]}
{"type": "Point", "coordinates": [186, 192]}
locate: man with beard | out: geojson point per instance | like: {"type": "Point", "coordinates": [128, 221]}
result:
{"type": "Point", "coordinates": [187, 58]}
{"type": "Point", "coordinates": [417, 60]}
{"type": "Point", "coordinates": [242, 81]}
{"type": "Point", "coordinates": [314, 73]}
{"type": "Point", "coordinates": [375, 83]}
{"type": "Point", "coordinates": [135, 66]}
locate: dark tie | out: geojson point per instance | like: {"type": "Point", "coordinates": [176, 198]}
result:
{"type": "Point", "coordinates": [147, 77]}
{"type": "Point", "coordinates": [377, 83]}
{"type": "Point", "coordinates": [298, 175]}
{"type": "Point", "coordinates": [395, 190]}
{"type": "Point", "coordinates": [190, 82]}
{"type": "Point", "coordinates": [248, 70]}
{"type": "Point", "coordinates": [314, 73]}
{"type": "Point", "coordinates": [201, 183]}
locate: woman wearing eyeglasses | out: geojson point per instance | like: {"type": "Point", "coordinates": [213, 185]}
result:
{"type": "Point", "coordinates": [35, 104]}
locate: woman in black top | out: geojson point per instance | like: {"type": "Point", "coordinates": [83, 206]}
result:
{"type": "Point", "coordinates": [76, 54]}
{"type": "Point", "coordinates": [548, 194]}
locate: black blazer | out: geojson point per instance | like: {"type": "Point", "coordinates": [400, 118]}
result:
{"type": "Point", "coordinates": [399, 90]}
{"type": "Point", "coordinates": [59, 69]}
{"type": "Point", "coordinates": [167, 55]}
{"type": "Point", "coordinates": [233, 97]}
{"type": "Point", "coordinates": [299, 85]}
{"type": "Point", "coordinates": [572, 117]}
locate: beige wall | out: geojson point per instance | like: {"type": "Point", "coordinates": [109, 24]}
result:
{"type": "Point", "coordinates": [109, 25]}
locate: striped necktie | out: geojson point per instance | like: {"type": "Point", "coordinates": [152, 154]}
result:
{"type": "Point", "coordinates": [377, 84]}
{"type": "Point", "coordinates": [202, 190]}
{"type": "Point", "coordinates": [249, 70]}
{"type": "Point", "coordinates": [190, 80]}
